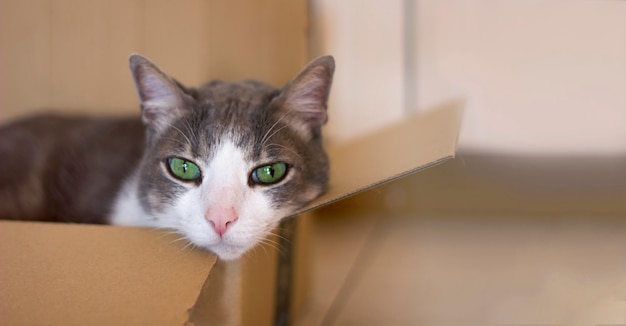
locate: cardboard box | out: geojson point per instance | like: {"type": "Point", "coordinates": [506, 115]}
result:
{"type": "Point", "coordinates": [65, 274]}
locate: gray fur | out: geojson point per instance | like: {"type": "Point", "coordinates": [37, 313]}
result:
{"type": "Point", "coordinates": [70, 169]}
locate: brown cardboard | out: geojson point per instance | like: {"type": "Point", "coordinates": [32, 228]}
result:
{"type": "Point", "coordinates": [418, 142]}
{"type": "Point", "coordinates": [69, 274]}
{"type": "Point", "coordinates": [64, 274]}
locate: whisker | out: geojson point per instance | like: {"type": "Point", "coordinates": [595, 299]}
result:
{"type": "Point", "coordinates": [286, 148]}
{"type": "Point", "coordinates": [265, 137]}
{"type": "Point", "coordinates": [190, 245]}
{"type": "Point", "coordinates": [261, 246]}
{"type": "Point", "coordinates": [274, 133]}
{"type": "Point", "coordinates": [265, 246]}
{"type": "Point", "coordinates": [183, 134]}
{"type": "Point", "coordinates": [176, 140]}
{"type": "Point", "coordinates": [266, 243]}
{"type": "Point", "coordinates": [164, 233]}
{"type": "Point", "coordinates": [182, 238]}
{"type": "Point", "coordinates": [271, 244]}
{"type": "Point", "coordinates": [282, 237]}
{"type": "Point", "coordinates": [190, 129]}
{"type": "Point", "coordinates": [270, 129]}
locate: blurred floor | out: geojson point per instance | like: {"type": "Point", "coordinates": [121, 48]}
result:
{"type": "Point", "coordinates": [508, 268]}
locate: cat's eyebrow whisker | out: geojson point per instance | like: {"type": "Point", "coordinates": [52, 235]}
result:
{"type": "Point", "coordinates": [190, 129]}
{"type": "Point", "coordinates": [275, 132]}
{"type": "Point", "coordinates": [265, 137]}
{"type": "Point", "coordinates": [271, 128]}
{"type": "Point", "coordinates": [286, 148]}
{"type": "Point", "coordinates": [182, 133]}
{"type": "Point", "coordinates": [180, 142]}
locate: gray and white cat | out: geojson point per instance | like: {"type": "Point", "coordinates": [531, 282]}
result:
{"type": "Point", "coordinates": [221, 164]}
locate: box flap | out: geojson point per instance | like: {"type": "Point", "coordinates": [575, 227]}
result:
{"type": "Point", "coordinates": [42, 283]}
{"type": "Point", "coordinates": [414, 144]}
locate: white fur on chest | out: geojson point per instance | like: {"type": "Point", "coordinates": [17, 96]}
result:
{"type": "Point", "coordinates": [127, 210]}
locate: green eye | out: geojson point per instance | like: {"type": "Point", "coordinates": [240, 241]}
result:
{"type": "Point", "coordinates": [269, 174]}
{"type": "Point", "coordinates": [183, 169]}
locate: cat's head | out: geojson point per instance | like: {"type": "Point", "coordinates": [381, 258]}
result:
{"type": "Point", "coordinates": [225, 162]}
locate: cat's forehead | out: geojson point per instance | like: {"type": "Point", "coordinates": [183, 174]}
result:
{"type": "Point", "coordinates": [239, 112]}
{"type": "Point", "coordinates": [236, 110]}
{"type": "Point", "coordinates": [248, 91]}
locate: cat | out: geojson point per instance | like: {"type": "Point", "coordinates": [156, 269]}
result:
{"type": "Point", "coordinates": [222, 164]}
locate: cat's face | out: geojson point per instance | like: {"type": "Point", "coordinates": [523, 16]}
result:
{"type": "Point", "coordinates": [226, 162]}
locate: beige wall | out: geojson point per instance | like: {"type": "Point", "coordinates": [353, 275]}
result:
{"type": "Point", "coordinates": [73, 55]}
{"type": "Point", "coordinates": [545, 77]}
{"type": "Point", "coordinates": [539, 77]}
{"type": "Point", "coordinates": [365, 37]}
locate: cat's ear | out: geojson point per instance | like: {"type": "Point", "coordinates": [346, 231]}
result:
{"type": "Point", "coordinates": [306, 96]}
{"type": "Point", "coordinates": [160, 96]}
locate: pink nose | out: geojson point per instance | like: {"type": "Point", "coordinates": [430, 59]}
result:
{"type": "Point", "coordinates": [220, 218]}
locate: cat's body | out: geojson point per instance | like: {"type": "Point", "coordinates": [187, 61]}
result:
{"type": "Point", "coordinates": [65, 169]}
{"type": "Point", "coordinates": [221, 164]}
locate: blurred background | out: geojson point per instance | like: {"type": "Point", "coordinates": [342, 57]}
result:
{"type": "Point", "coordinates": [537, 77]}
{"type": "Point", "coordinates": [525, 226]}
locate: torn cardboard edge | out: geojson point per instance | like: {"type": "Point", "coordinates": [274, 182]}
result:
{"type": "Point", "coordinates": [149, 277]}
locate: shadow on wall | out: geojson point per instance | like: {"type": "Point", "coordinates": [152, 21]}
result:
{"type": "Point", "coordinates": [481, 183]}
